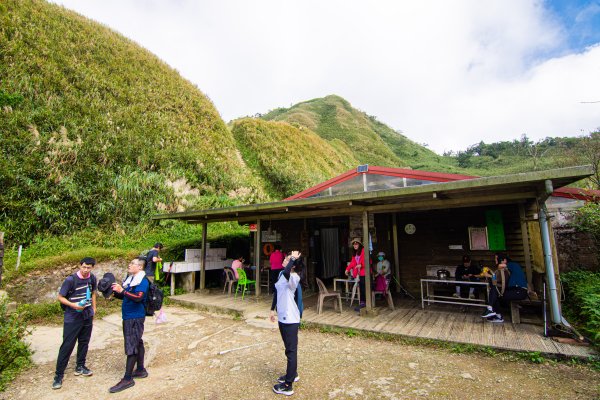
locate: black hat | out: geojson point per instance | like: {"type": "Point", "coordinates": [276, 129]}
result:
{"type": "Point", "coordinates": [105, 284]}
{"type": "Point", "coordinates": [158, 245]}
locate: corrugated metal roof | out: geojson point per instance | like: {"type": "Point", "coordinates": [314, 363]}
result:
{"type": "Point", "coordinates": [458, 193]}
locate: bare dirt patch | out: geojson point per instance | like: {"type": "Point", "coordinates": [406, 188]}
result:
{"type": "Point", "coordinates": [184, 363]}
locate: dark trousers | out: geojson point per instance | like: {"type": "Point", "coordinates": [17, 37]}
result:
{"type": "Point", "coordinates": [511, 293]}
{"type": "Point", "coordinates": [289, 334]}
{"type": "Point", "coordinates": [79, 331]}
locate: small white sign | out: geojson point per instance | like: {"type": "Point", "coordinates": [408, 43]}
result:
{"type": "Point", "coordinates": [455, 247]}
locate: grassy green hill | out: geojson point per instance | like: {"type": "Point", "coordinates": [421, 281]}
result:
{"type": "Point", "coordinates": [371, 141]}
{"type": "Point", "coordinates": [97, 131]}
{"type": "Point", "coordinates": [290, 159]}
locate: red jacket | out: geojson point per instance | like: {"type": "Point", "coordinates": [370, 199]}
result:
{"type": "Point", "coordinates": [354, 263]}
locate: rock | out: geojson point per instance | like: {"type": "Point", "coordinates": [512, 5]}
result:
{"type": "Point", "coordinates": [467, 375]}
{"type": "Point", "coordinates": [413, 365]}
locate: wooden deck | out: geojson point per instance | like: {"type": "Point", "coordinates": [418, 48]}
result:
{"type": "Point", "coordinates": [439, 322]}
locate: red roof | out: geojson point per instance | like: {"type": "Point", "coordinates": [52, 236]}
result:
{"type": "Point", "coordinates": [573, 193]}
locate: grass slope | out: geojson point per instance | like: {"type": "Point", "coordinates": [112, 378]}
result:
{"type": "Point", "coordinates": [372, 142]}
{"type": "Point", "coordinates": [290, 159]}
{"type": "Point", "coordinates": [97, 131]}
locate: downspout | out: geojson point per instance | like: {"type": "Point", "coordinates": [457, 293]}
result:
{"type": "Point", "coordinates": [554, 307]}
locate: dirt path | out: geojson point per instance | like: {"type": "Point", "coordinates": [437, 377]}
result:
{"type": "Point", "coordinates": [184, 363]}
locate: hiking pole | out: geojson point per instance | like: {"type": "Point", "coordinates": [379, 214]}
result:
{"type": "Point", "coordinates": [544, 308]}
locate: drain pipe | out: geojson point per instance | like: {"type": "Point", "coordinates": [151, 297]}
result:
{"type": "Point", "coordinates": [550, 277]}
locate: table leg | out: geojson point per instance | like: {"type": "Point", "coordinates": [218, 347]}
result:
{"type": "Point", "coordinates": [172, 284]}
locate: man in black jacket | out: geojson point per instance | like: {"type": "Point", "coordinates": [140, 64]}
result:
{"type": "Point", "coordinates": [78, 298]}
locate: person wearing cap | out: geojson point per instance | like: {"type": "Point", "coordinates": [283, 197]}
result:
{"type": "Point", "coordinates": [287, 302]}
{"type": "Point", "coordinates": [356, 267]}
{"type": "Point", "coordinates": [133, 292]}
{"type": "Point", "coordinates": [151, 259]}
{"type": "Point", "coordinates": [466, 272]}
{"type": "Point", "coordinates": [77, 296]}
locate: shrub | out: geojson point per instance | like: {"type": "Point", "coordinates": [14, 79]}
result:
{"type": "Point", "coordinates": [583, 300]}
{"type": "Point", "coordinates": [15, 352]}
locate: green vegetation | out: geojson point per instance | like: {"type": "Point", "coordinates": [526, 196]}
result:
{"type": "Point", "coordinates": [582, 301]}
{"type": "Point", "coordinates": [98, 132]}
{"type": "Point", "coordinates": [289, 159]}
{"type": "Point", "coordinates": [15, 351]}
{"type": "Point", "coordinates": [48, 252]}
{"type": "Point", "coordinates": [334, 118]}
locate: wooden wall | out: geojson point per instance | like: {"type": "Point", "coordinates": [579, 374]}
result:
{"type": "Point", "coordinates": [437, 229]}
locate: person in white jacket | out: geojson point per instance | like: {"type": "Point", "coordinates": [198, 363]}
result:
{"type": "Point", "coordinates": [289, 311]}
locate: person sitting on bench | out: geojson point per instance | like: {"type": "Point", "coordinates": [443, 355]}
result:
{"type": "Point", "coordinates": [516, 288]}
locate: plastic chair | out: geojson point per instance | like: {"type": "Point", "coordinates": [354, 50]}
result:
{"type": "Point", "coordinates": [229, 280]}
{"type": "Point", "coordinates": [324, 293]}
{"type": "Point", "coordinates": [242, 282]}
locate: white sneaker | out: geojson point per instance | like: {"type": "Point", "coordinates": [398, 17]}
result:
{"type": "Point", "coordinates": [471, 296]}
{"type": "Point", "coordinates": [456, 295]}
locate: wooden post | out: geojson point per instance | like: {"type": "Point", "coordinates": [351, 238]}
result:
{"type": "Point", "coordinates": [396, 252]}
{"type": "Point", "coordinates": [367, 299]}
{"type": "Point", "coordinates": [257, 251]}
{"type": "Point", "coordinates": [203, 257]}
{"type": "Point", "coordinates": [525, 237]}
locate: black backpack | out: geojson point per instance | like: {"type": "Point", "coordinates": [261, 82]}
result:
{"type": "Point", "coordinates": [154, 299]}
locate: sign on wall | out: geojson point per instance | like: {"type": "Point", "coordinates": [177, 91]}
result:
{"type": "Point", "coordinates": [478, 238]}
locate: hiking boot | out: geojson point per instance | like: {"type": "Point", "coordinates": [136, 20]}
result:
{"type": "Point", "coordinates": [488, 313]}
{"type": "Point", "coordinates": [83, 370]}
{"type": "Point", "coordinates": [57, 384]}
{"type": "Point", "coordinates": [122, 385]}
{"type": "Point", "coordinates": [281, 379]}
{"type": "Point", "coordinates": [140, 374]}
{"type": "Point", "coordinates": [283, 388]}
{"type": "Point", "coordinates": [496, 319]}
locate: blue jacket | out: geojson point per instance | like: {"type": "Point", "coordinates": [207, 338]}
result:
{"type": "Point", "coordinates": [517, 277]}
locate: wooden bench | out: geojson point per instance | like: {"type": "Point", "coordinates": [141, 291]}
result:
{"type": "Point", "coordinates": [515, 307]}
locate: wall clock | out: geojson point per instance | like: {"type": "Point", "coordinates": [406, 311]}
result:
{"type": "Point", "coordinates": [410, 229]}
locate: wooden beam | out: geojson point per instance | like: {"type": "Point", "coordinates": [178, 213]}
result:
{"type": "Point", "coordinates": [366, 241]}
{"type": "Point", "coordinates": [257, 250]}
{"type": "Point", "coordinates": [203, 258]}
{"type": "Point", "coordinates": [396, 253]}
{"type": "Point", "coordinates": [525, 238]}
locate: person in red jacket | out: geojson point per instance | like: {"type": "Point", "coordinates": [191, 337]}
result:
{"type": "Point", "coordinates": [357, 267]}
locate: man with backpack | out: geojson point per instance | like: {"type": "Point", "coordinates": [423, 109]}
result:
{"type": "Point", "coordinates": [134, 293]}
{"type": "Point", "coordinates": [77, 296]}
{"type": "Point", "coordinates": [151, 259]}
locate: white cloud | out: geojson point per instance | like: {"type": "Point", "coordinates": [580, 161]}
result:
{"type": "Point", "coordinates": [445, 73]}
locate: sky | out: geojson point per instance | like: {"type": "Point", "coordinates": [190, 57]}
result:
{"type": "Point", "coordinates": [448, 74]}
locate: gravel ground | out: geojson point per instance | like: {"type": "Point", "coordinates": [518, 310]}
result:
{"type": "Point", "coordinates": [184, 364]}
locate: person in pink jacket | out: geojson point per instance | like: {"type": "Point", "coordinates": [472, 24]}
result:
{"type": "Point", "coordinates": [357, 267]}
{"type": "Point", "coordinates": [276, 261]}
{"type": "Point", "coordinates": [239, 263]}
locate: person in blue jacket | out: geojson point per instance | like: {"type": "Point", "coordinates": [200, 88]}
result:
{"type": "Point", "coordinates": [516, 288]}
{"type": "Point", "coordinates": [287, 300]}
{"type": "Point", "coordinates": [133, 292]}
